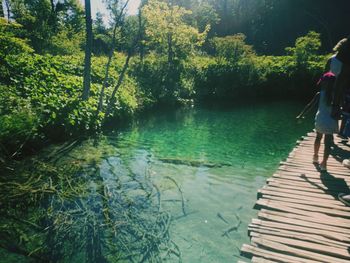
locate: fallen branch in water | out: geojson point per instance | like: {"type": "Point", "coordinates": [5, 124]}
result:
{"type": "Point", "coordinates": [182, 196]}
{"type": "Point", "coordinates": [193, 163]}
{"type": "Point", "coordinates": [234, 228]}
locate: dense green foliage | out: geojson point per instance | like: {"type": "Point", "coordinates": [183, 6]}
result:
{"type": "Point", "coordinates": [175, 59]}
{"type": "Point", "coordinates": [41, 94]}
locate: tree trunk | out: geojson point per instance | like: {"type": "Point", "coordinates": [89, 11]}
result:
{"type": "Point", "coordinates": [110, 56]}
{"type": "Point", "coordinates": [2, 14]}
{"type": "Point", "coordinates": [141, 47]}
{"type": "Point", "coordinates": [105, 81]}
{"type": "Point", "coordinates": [87, 61]}
{"type": "Point", "coordinates": [120, 81]}
{"type": "Point", "coordinates": [7, 4]}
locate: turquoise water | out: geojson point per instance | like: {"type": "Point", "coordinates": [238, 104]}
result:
{"type": "Point", "coordinates": [250, 139]}
{"type": "Point", "coordinates": [206, 164]}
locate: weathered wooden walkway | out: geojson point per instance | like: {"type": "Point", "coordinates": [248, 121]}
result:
{"type": "Point", "coordinates": [300, 217]}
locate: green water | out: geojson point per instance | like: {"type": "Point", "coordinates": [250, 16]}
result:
{"type": "Point", "coordinates": [253, 139]}
{"type": "Point", "coordinates": [219, 157]}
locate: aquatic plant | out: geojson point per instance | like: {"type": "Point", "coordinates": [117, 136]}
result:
{"type": "Point", "coordinates": [54, 209]}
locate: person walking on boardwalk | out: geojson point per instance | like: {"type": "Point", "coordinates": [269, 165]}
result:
{"type": "Point", "coordinates": [337, 64]}
{"type": "Point", "coordinates": [343, 79]}
{"type": "Point", "coordinates": [342, 84]}
{"type": "Point", "coordinates": [324, 123]}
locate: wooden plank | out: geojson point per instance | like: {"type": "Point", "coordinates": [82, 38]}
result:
{"type": "Point", "coordinates": [339, 170]}
{"type": "Point", "coordinates": [299, 185]}
{"type": "Point", "coordinates": [304, 179]}
{"type": "Point", "coordinates": [275, 246]}
{"type": "Point", "coordinates": [262, 260]}
{"type": "Point", "coordinates": [277, 196]}
{"type": "Point", "coordinates": [249, 251]}
{"type": "Point", "coordinates": [282, 170]}
{"type": "Point", "coordinates": [312, 172]}
{"type": "Point", "coordinates": [296, 235]}
{"type": "Point", "coordinates": [300, 222]}
{"type": "Point", "coordinates": [302, 199]}
{"type": "Point", "coordinates": [305, 157]}
{"type": "Point", "coordinates": [332, 221]}
{"type": "Point", "coordinates": [332, 212]}
{"type": "Point", "coordinates": [343, 237]}
{"type": "Point", "coordinates": [312, 215]}
{"type": "Point", "coordinates": [305, 245]}
{"type": "Point", "coordinates": [322, 197]}
{"type": "Point", "coordinates": [301, 176]}
{"type": "Point", "coordinates": [331, 163]}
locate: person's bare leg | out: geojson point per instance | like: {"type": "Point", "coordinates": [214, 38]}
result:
{"type": "Point", "coordinates": [317, 146]}
{"type": "Point", "coordinates": [328, 141]}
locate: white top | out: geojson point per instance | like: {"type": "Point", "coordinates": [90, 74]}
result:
{"type": "Point", "coordinates": [335, 66]}
{"type": "Point", "coordinates": [324, 123]}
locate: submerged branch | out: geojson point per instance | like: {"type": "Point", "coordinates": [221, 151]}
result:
{"type": "Point", "coordinates": [193, 163]}
{"type": "Point", "coordinates": [182, 196]}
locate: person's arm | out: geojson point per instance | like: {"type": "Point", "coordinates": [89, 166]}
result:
{"type": "Point", "coordinates": [311, 104]}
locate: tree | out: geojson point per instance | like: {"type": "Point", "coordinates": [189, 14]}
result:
{"type": "Point", "coordinates": [167, 31]}
{"type": "Point", "coordinates": [205, 14]}
{"type": "Point", "coordinates": [88, 45]}
{"type": "Point", "coordinates": [43, 20]}
{"type": "Point", "coordinates": [102, 39]}
{"type": "Point", "coordinates": [232, 48]}
{"type": "Point", "coordinates": [306, 49]}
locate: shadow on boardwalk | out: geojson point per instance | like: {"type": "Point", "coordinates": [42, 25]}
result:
{"type": "Point", "coordinates": [300, 217]}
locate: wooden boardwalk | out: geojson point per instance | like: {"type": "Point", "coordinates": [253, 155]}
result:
{"type": "Point", "coordinates": [300, 218]}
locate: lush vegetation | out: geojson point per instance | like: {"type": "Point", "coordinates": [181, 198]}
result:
{"type": "Point", "coordinates": [64, 76]}
{"type": "Point", "coordinates": [168, 54]}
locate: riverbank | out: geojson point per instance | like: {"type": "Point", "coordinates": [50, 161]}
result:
{"type": "Point", "coordinates": [40, 95]}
